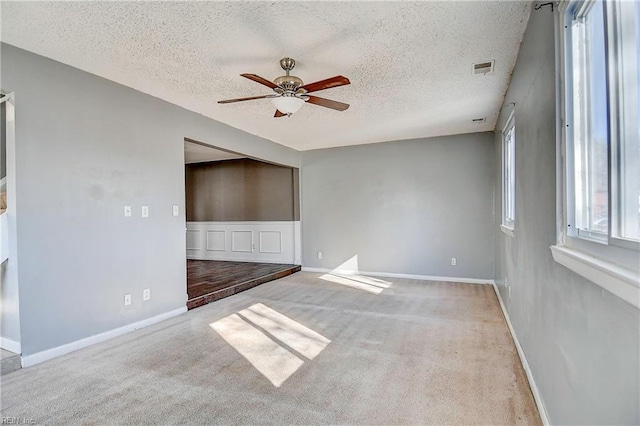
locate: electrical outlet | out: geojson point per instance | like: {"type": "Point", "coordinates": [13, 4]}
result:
{"type": "Point", "coordinates": [146, 294]}
{"type": "Point", "coordinates": [127, 299]}
{"type": "Point", "coordinates": [127, 211]}
{"type": "Point", "coordinates": [319, 255]}
{"type": "Point", "coordinates": [454, 261]}
{"type": "Point", "coordinates": [145, 211]}
{"type": "Point", "coordinates": [176, 210]}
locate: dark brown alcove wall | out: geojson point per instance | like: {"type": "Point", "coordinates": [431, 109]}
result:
{"type": "Point", "coordinates": [241, 190]}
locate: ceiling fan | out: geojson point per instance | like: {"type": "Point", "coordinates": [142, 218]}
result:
{"type": "Point", "coordinates": [290, 92]}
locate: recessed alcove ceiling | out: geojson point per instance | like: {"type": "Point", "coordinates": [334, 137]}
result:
{"type": "Point", "coordinates": [200, 153]}
{"type": "Point", "coordinates": [410, 63]}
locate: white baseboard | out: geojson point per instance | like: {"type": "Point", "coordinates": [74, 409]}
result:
{"type": "Point", "coordinates": [10, 345]}
{"type": "Point", "coordinates": [394, 275]}
{"type": "Point", "coordinates": [37, 358]}
{"type": "Point", "coordinates": [523, 359]}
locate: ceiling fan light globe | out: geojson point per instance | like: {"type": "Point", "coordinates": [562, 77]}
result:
{"type": "Point", "coordinates": [288, 104]}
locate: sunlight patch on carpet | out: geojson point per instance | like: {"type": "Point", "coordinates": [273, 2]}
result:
{"type": "Point", "coordinates": [293, 334]}
{"type": "Point", "coordinates": [254, 333]}
{"type": "Point", "coordinates": [359, 282]}
{"type": "Point", "coordinates": [348, 274]}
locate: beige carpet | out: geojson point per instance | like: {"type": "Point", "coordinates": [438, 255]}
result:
{"type": "Point", "coordinates": [299, 350]}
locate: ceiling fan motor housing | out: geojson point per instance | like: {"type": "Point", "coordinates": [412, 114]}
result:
{"type": "Point", "coordinates": [289, 83]}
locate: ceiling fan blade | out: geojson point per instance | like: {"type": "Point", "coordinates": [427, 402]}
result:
{"type": "Point", "coordinates": [229, 101]}
{"type": "Point", "coordinates": [327, 103]}
{"type": "Point", "coordinates": [279, 114]}
{"type": "Point", "coordinates": [260, 80]}
{"type": "Point", "coordinates": [336, 81]}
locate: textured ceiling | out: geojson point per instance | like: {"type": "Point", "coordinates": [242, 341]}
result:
{"type": "Point", "coordinates": [410, 63]}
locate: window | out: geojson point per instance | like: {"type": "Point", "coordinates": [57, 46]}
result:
{"type": "Point", "coordinates": [600, 74]}
{"type": "Point", "coordinates": [589, 122]}
{"type": "Point", "coordinates": [602, 126]}
{"type": "Point", "coordinates": [626, 144]}
{"type": "Point", "coordinates": [509, 174]}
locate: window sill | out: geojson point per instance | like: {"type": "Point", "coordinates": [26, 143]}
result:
{"type": "Point", "coordinates": [507, 230]}
{"type": "Point", "coordinates": [616, 279]}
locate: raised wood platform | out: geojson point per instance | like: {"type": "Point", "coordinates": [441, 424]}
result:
{"type": "Point", "coordinates": [211, 280]}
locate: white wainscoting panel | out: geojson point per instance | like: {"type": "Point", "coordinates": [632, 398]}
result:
{"type": "Point", "coordinates": [215, 240]}
{"type": "Point", "coordinates": [4, 237]}
{"type": "Point", "coordinates": [297, 237]}
{"type": "Point", "coordinates": [269, 242]}
{"type": "Point", "coordinates": [242, 241]}
{"type": "Point", "coordinates": [194, 237]}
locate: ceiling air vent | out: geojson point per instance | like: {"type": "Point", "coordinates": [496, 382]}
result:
{"type": "Point", "coordinates": [483, 67]}
{"type": "Point", "coordinates": [479, 120]}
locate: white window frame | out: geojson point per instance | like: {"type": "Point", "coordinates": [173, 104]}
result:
{"type": "Point", "coordinates": [609, 261]}
{"type": "Point", "coordinates": [509, 179]}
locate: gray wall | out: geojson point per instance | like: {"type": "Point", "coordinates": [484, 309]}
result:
{"type": "Point", "coordinates": [582, 343]}
{"type": "Point", "coordinates": [87, 147]}
{"type": "Point", "coordinates": [402, 207]}
{"type": "Point", "coordinates": [240, 190]}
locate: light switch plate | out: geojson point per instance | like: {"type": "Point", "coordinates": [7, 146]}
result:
{"type": "Point", "coordinates": [145, 211]}
{"type": "Point", "coordinates": [127, 211]}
